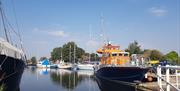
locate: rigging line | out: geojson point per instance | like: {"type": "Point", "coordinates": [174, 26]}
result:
{"type": "Point", "coordinates": [11, 26]}
{"type": "Point", "coordinates": [18, 29]}
{"type": "Point", "coordinates": [4, 26]}
{"type": "Point", "coordinates": [10, 39]}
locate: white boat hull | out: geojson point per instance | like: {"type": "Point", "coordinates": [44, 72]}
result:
{"type": "Point", "coordinates": [43, 66]}
{"type": "Point", "coordinates": [85, 67]}
{"type": "Point", "coordinates": [60, 66]}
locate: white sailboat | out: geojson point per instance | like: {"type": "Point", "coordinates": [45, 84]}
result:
{"type": "Point", "coordinates": [62, 64]}
{"type": "Point", "coordinates": [86, 66]}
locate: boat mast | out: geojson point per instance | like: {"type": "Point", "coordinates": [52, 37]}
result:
{"type": "Point", "coordinates": [90, 36]}
{"type": "Point", "coordinates": [69, 53]}
{"type": "Point", "coordinates": [61, 55]}
{"type": "Point", "coordinates": [3, 21]}
{"type": "Point", "coordinates": [74, 52]}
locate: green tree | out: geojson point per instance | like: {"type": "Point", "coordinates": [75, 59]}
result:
{"type": "Point", "coordinates": [156, 55]}
{"type": "Point", "coordinates": [152, 54]}
{"type": "Point", "coordinates": [134, 48]}
{"type": "Point", "coordinates": [42, 58]}
{"type": "Point", "coordinates": [34, 60]}
{"type": "Point", "coordinates": [94, 57]}
{"type": "Point", "coordinates": [172, 57]}
{"type": "Point", "coordinates": [56, 54]}
{"type": "Point", "coordinates": [67, 52]}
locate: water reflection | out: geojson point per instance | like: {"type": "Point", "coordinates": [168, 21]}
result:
{"type": "Point", "coordinates": [71, 79]}
{"type": "Point", "coordinates": [58, 80]}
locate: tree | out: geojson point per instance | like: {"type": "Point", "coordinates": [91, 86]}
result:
{"type": "Point", "coordinates": [134, 48]}
{"type": "Point", "coordinates": [153, 54]}
{"type": "Point", "coordinates": [156, 55]}
{"type": "Point", "coordinates": [34, 60]}
{"type": "Point", "coordinates": [94, 57]}
{"type": "Point", "coordinates": [172, 57]}
{"type": "Point", "coordinates": [42, 58]}
{"type": "Point", "coordinates": [67, 52]}
{"type": "Point", "coordinates": [56, 54]}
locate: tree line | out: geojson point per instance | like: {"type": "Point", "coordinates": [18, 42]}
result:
{"type": "Point", "coordinates": [153, 54]}
{"type": "Point", "coordinates": [67, 51]}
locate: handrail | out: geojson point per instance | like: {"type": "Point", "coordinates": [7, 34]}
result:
{"type": "Point", "coordinates": [167, 80]}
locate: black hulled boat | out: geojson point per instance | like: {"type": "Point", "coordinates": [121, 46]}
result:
{"type": "Point", "coordinates": [11, 58]}
{"type": "Point", "coordinates": [114, 73]}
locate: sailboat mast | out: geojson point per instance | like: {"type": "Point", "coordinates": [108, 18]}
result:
{"type": "Point", "coordinates": [74, 53]}
{"type": "Point", "coordinates": [61, 55]}
{"type": "Point", "coordinates": [4, 26]}
{"type": "Point", "coordinates": [69, 53]}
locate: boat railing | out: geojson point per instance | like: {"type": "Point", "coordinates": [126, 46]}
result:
{"type": "Point", "coordinates": [168, 77]}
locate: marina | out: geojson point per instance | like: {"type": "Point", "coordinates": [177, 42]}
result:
{"type": "Point", "coordinates": [133, 45]}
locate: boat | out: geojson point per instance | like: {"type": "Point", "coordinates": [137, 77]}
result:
{"type": "Point", "coordinates": [64, 65]}
{"type": "Point", "coordinates": [12, 59]}
{"type": "Point", "coordinates": [44, 64]}
{"type": "Point", "coordinates": [115, 71]}
{"type": "Point", "coordinates": [85, 66]}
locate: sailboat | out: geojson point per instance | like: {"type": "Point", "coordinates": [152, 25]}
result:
{"type": "Point", "coordinates": [86, 66]}
{"type": "Point", "coordinates": [62, 64]}
{"type": "Point", "coordinates": [12, 59]}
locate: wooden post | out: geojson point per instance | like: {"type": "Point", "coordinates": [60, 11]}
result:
{"type": "Point", "coordinates": [167, 78]}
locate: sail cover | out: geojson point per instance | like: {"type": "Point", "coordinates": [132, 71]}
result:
{"type": "Point", "coordinates": [10, 50]}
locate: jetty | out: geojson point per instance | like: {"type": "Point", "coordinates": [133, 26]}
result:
{"type": "Point", "coordinates": [168, 79]}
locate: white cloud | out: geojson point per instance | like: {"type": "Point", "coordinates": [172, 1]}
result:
{"type": "Point", "coordinates": [158, 11]}
{"type": "Point", "coordinates": [59, 33]}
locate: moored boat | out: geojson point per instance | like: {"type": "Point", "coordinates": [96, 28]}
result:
{"type": "Point", "coordinates": [87, 66]}
{"type": "Point", "coordinates": [12, 58]}
{"type": "Point", "coordinates": [64, 66]}
{"type": "Point", "coordinates": [115, 71]}
{"type": "Point", "coordinates": [44, 64]}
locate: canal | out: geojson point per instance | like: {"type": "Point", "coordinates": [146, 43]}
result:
{"type": "Point", "coordinates": [36, 79]}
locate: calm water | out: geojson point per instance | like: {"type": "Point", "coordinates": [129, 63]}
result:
{"type": "Point", "coordinates": [57, 80]}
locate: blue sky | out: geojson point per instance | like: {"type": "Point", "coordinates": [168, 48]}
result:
{"type": "Point", "coordinates": [45, 24]}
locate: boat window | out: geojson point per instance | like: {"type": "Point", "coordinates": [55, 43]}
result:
{"type": "Point", "coordinates": [120, 54]}
{"type": "Point", "coordinates": [114, 54]}
{"type": "Point", "coordinates": [125, 54]}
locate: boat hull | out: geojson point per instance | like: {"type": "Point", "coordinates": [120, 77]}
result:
{"type": "Point", "coordinates": [64, 66]}
{"type": "Point", "coordinates": [85, 67]}
{"type": "Point", "coordinates": [43, 66]}
{"type": "Point", "coordinates": [11, 72]}
{"type": "Point", "coordinates": [119, 78]}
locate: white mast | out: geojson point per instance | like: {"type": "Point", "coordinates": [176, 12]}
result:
{"type": "Point", "coordinates": [69, 53]}
{"type": "Point", "coordinates": [61, 55]}
{"type": "Point", "coordinates": [74, 52]}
